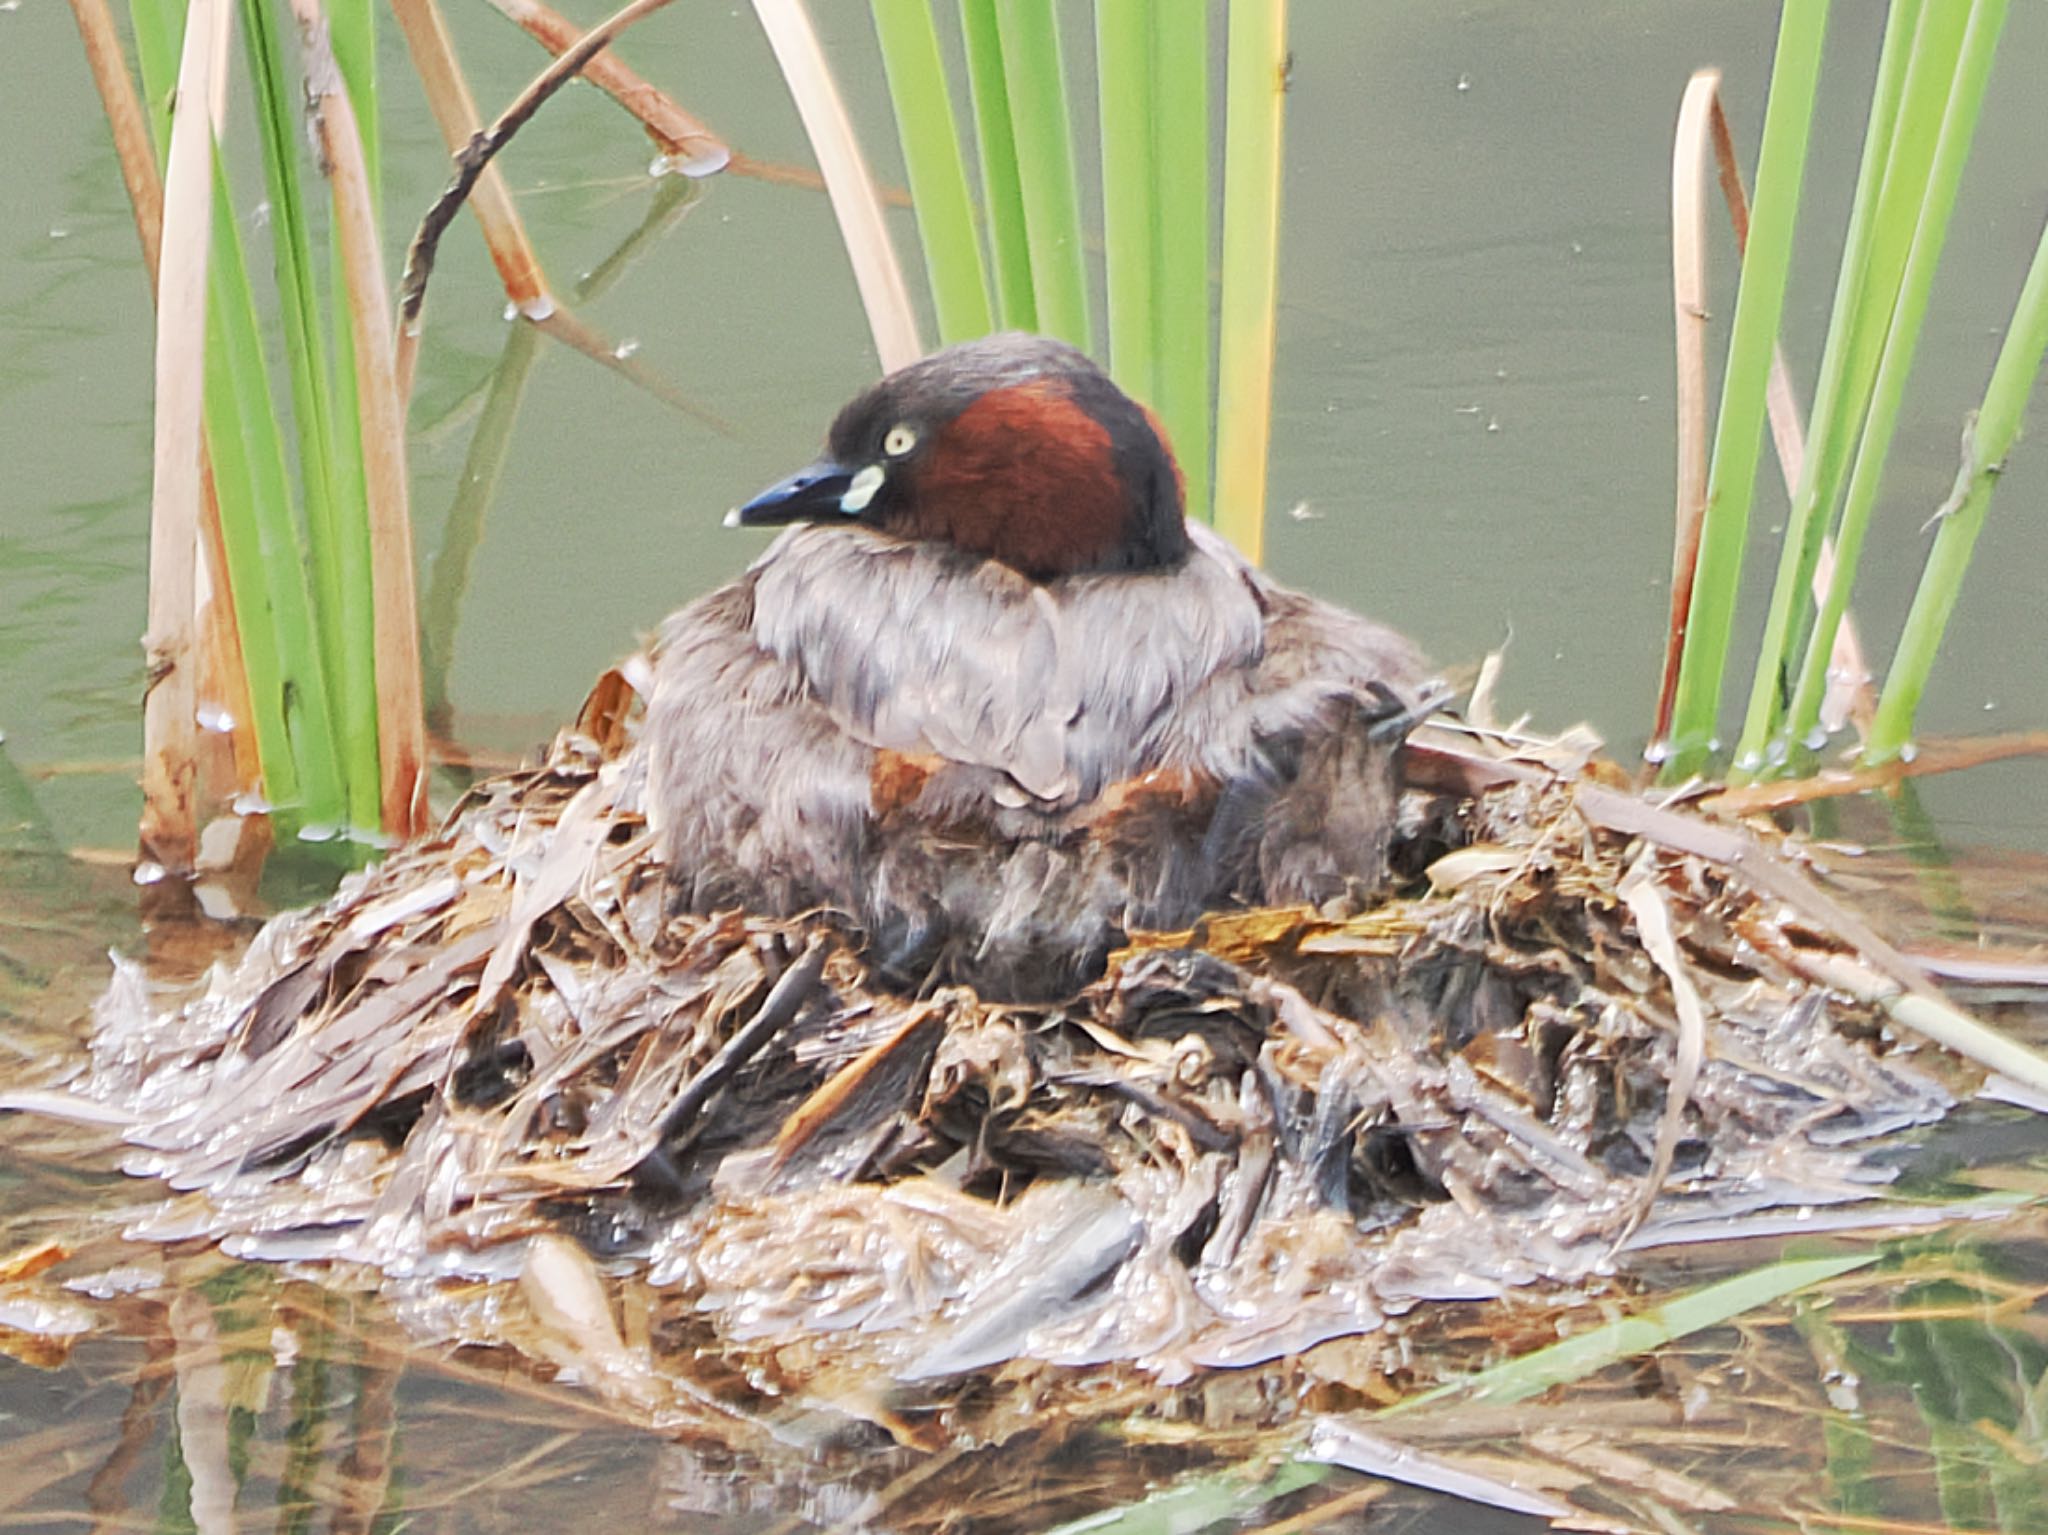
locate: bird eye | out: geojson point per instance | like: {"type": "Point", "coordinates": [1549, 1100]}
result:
{"type": "Point", "coordinates": [901, 439]}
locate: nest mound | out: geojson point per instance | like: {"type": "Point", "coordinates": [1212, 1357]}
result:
{"type": "Point", "coordinates": [1279, 1128]}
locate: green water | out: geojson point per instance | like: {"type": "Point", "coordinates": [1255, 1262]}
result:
{"type": "Point", "coordinates": [1474, 364]}
{"type": "Point", "coordinates": [1473, 441]}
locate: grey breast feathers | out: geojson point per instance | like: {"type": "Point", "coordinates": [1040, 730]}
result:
{"type": "Point", "coordinates": [1038, 696]}
{"type": "Point", "coordinates": [760, 799]}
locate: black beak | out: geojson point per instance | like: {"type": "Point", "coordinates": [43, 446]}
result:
{"type": "Point", "coordinates": [811, 494]}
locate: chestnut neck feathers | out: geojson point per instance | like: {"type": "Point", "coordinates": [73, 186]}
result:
{"type": "Point", "coordinates": [1013, 447]}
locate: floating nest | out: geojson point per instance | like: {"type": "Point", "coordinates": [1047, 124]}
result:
{"type": "Point", "coordinates": [1594, 1024]}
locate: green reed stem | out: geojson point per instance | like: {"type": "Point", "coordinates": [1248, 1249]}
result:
{"type": "Point", "coordinates": [1182, 222]}
{"type": "Point", "coordinates": [321, 480]}
{"type": "Point", "coordinates": [348, 547]}
{"type": "Point", "coordinates": [1958, 128]}
{"type": "Point", "coordinates": [1990, 438]}
{"type": "Point", "coordinates": [1838, 406]}
{"type": "Point", "coordinates": [1254, 101]}
{"type": "Point", "coordinates": [289, 703]}
{"type": "Point", "coordinates": [929, 134]}
{"type": "Point", "coordinates": [1036, 81]}
{"type": "Point", "coordinates": [1130, 170]}
{"type": "Point", "coordinates": [1937, 40]}
{"type": "Point", "coordinates": [1002, 193]}
{"type": "Point", "coordinates": [287, 686]}
{"type": "Point", "coordinates": [1738, 434]}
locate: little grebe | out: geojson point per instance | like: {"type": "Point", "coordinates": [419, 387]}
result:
{"type": "Point", "coordinates": [998, 700]}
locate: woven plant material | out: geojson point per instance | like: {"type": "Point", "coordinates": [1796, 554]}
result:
{"type": "Point", "coordinates": [1281, 1128]}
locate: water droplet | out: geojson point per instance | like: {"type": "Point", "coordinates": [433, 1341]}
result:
{"type": "Point", "coordinates": [1657, 752]}
{"type": "Point", "coordinates": [250, 803]}
{"type": "Point", "coordinates": [59, 232]}
{"type": "Point", "coordinates": [315, 831]}
{"type": "Point", "coordinates": [538, 309]}
{"type": "Point", "coordinates": [1990, 704]}
{"type": "Point", "coordinates": [148, 873]}
{"type": "Point", "coordinates": [1464, 82]}
{"type": "Point", "coordinates": [626, 348]}
{"type": "Point", "coordinates": [1816, 738]}
{"type": "Point", "coordinates": [1908, 752]}
{"type": "Point", "coordinates": [216, 719]}
{"type": "Point", "coordinates": [511, 311]}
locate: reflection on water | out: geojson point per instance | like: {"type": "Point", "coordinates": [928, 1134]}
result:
{"type": "Point", "coordinates": [168, 1387]}
{"type": "Point", "coordinates": [236, 1398]}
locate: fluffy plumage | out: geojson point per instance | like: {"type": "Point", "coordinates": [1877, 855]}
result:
{"type": "Point", "coordinates": [1000, 771]}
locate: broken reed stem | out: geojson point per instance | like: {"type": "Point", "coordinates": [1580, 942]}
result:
{"type": "Point", "coordinates": [684, 139]}
{"type": "Point", "coordinates": [401, 728]}
{"type": "Point", "coordinates": [455, 113]}
{"type": "Point", "coordinates": [855, 203]}
{"type": "Point", "coordinates": [109, 66]}
{"type": "Point", "coordinates": [1951, 755]}
{"type": "Point", "coordinates": [1689, 312]}
{"type": "Point", "coordinates": [473, 159]}
{"type": "Point", "coordinates": [170, 744]}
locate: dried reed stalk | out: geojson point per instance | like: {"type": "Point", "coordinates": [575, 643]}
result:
{"type": "Point", "coordinates": [473, 162]}
{"type": "Point", "coordinates": [132, 147]}
{"type": "Point", "coordinates": [401, 726]}
{"type": "Point", "coordinates": [1689, 312]}
{"type": "Point", "coordinates": [684, 139]}
{"type": "Point", "coordinates": [855, 202]}
{"type": "Point", "coordinates": [222, 676]}
{"type": "Point", "coordinates": [455, 113]}
{"type": "Point", "coordinates": [170, 748]}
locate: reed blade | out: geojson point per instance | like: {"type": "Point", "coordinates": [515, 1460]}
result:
{"type": "Point", "coordinates": [1255, 97]}
{"type": "Point", "coordinates": [1034, 75]}
{"type": "Point", "coordinates": [1993, 430]}
{"type": "Point", "coordinates": [932, 157]}
{"type": "Point", "coordinates": [1964, 103]}
{"type": "Point", "coordinates": [1128, 106]}
{"type": "Point", "coordinates": [1002, 194]}
{"type": "Point", "coordinates": [1738, 436]}
{"type": "Point", "coordinates": [1184, 226]}
{"type": "Point", "coordinates": [1837, 408]}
